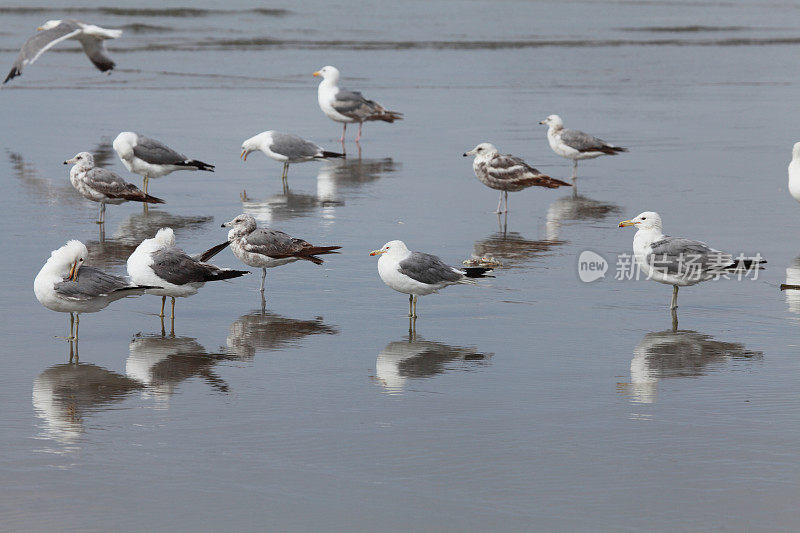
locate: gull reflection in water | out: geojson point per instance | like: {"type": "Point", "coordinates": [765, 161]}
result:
{"type": "Point", "coordinates": [161, 362]}
{"type": "Point", "coordinates": [65, 395]}
{"type": "Point", "coordinates": [677, 354]}
{"type": "Point", "coordinates": [265, 331]}
{"type": "Point", "coordinates": [575, 207]}
{"type": "Point", "coordinates": [511, 248]}
{"type": "Point", "coordinates": [793, 278]}
{"type": "Point", "coordinates": [416, 358]}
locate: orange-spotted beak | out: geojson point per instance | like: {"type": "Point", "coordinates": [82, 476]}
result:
{"type": "Point", "coordinates": [377, 252]}
{"type": "Point", "coordinates": [317, 73]}
{"type": "Point", "coordinates": [243, 155]}
{"type": "Point", "coordinates": [73, 272]}
{"type": "Point", "coordinates": [626, 223]}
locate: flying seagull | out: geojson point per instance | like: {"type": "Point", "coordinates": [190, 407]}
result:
{"type": "Point", "coordinates": [574, 144]}
{"type": "Point", "coordinates": [151, 158]}
{"type": "Point", "coordinates": [53, 32]}
{"type": "Point", "coordinates": [418, 273]}
{"type": "Point", "coordinates": [341, 105]}
{"type": "Point", "coordinates": [506, 172]}
{"type": "Point", "coordinates": [680, 262]}
{"type": "Point", "coordinates": [266, 248]}
{"type": "Point", "coordinates": [103, 186]}
{"type": "Point", "coordinates": [159, 262]}
{"type": "Point", "coordinates": [286, 148]}
{"type": "Point", "coordinates": [65, 284]}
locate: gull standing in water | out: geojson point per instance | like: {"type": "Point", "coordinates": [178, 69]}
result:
{"type": "Point", "coordinates": [505, 172]}
{"type": "Point", "coordinates": [266, 248]}
{"type": "Point", "coordinates": [159, 262]}
{"type": "Point", "coordinates": [151, 158]}
{"type": "Point", "coordinates": [574, 144]}
{"type": "Point", "coordinates": [794, 172]}
{"type": "Point", "coordinates": [418, 273]}
{"type": "Point", "coordinates": [286, 148]}
{"type": "Point", "coordinates": [53, 32]}
{"type": "Point", "coordinates": [65, 284]}
{"type": "Point", "coordinates": [341, 105]}
{"type": "Point", "coordinates": [680, 262]}
{"type": "Point", "coordinates": [103, 186]}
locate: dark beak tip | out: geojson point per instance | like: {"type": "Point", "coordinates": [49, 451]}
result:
{"type": "Point", "coordinates": [66, 163]}
{"type": "Point", "coordinates": [222, 225]}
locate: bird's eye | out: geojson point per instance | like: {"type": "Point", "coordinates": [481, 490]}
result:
{"type": "Point", "coordinates": [81, 259]}
{"type": "Point", "coordinates": [644, 218]}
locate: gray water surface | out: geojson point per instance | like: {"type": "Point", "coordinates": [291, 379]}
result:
{"type": "Point", "coordinates": [530, 402]}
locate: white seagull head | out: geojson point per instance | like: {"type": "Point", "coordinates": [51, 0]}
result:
{"type": "Point", "coordinates": [241, 225]}
{"type": "Point", "coordinates": [123, 144]}
{"type": "Point", "coordinates": [646, 220]}
{"type": "Point", "coordinates": [482, 150]}
{"type": "Point", "coordinates": [328, 73]}
{"type": "Point", "coordinates": [254, 143]}
{"type": "Point", "coordinates": [395, 249]}
{"type": "Point", "coordinates": [165, 237]}
{"type": "Point", "coordinates": [796, 151]}
{"type": "Point", "coordinates": [49, 25]}
{"type": "Point", "coordinates": [66, 261]}
{"type": "Point", "coordinates": [554, 121]}
{"type": "Point", "coordinates": [82, 159]}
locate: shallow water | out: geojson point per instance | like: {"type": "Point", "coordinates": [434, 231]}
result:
{"type": "Point", "coordinates": [532, 401]}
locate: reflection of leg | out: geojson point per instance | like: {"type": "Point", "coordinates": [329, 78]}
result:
{"type": "Point", "coordinates": [412, 328]}
{"type": "Point", "coordinates": [674, 314]}
{"type": "Point", "coordinates": [163, 303]}
{"type": "Point", "coordinates": [172, 325]}
{"type": "Point", "coordinates": [263, 277]}
{"type": "Point", "coordinates": [163, 331]}
{"type": "Point", "coordinates": [172, 316]}
{"type": "Point", "coordinates": [263, 304]}
{"type": "Point", "coordinates": [410, 305]}
{"type": "Point", "coordinates": [674, 304]}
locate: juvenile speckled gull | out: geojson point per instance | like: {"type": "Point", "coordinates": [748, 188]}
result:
{"type": "Point", "coordinates": [505, 172]}
{"type": "Point", "coordinates": [151, 158]}
{"type": "Point", "coordinates": [53, 32]}
{"type": "Point", "coordinates": [103, 186]}
{"type": "Point", "coordinates": [267, 248]}
{"type": "Point", "coordinates": [342, 105]}
{"type": "Point", "coordinates": [679, 262]}
{"type": "Point", "coordinates": [159, 262]}
{"type": "Point", "coordinates": [286, 148]}
{"type": "Point", "coordinates": [65, 284]}
{"type": "Point", "coordinates": [418, 273]}
{"type": "Point", "coordinates": [574, 144]}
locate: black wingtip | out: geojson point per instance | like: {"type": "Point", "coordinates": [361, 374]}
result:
{"type": "Point", "coordinates": [476, 272]}
{"type": "Point", "coordinates": [211, 252]}
{"type": "Point", "coordinates": [11, 75]}
{"type": "Point", "coordinates": [325, 153]}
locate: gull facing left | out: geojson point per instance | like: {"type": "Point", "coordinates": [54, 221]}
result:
{"type": "Point", "coordinates": [286, 148]}
{"type": "Point", "coordinates": [680, 262]}
{"type": "Point", "coordinates": [418, 273]}
{"type": "Point", "coordinates": [65, 284]}
{"type": "Point", "coordinates": [574, 144]}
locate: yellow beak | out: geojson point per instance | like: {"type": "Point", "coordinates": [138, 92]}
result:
{"type": "Point", "coordinates": [376, 252]}
{"type": "Point", "coordinates": [73, 272]}
{"type": "Point", "coordinates": [317, 73]}
{"type": "Point", "coordinates": [626, 223]}
{"type": "Point", "coordinates": [243, 155]}
{"type": "Point", "coordinates": [40, 28]}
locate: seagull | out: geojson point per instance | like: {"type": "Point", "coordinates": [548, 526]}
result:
{"type": "Point", "coordinates": [574, 144]}
{"type": "Point", "coordinates": [506, 172]}
{"type": "Point", "coordinates": [266, 248]}
{"type": "Point", "coordinates": [345, 106]}
{"type": "Point", "coordinates": [418, 273]}
{"type": "Point", "coordinates": [151, 158]}
{"type": "Point", "coordinates": [65, 284]}
{"type": "Point", "coordinates": [103, 186]}
{"type": "Point", "coordinates": [53, 32]}
{"type": "Point", "coordinates": [286, 148]}
{"type": "Point", "coordinates": [159, 262]}
{"type": "Point", "coordinates": [680, 262]}
{"type": "Point", "coordinates": [794, 172]}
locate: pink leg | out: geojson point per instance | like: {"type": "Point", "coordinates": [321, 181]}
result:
{"type": "Point", "coordinates": [358, 137]}
{"type": "Point", "coordinates": [344, 129]}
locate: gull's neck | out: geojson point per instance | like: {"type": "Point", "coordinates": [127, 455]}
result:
{"type": "Point", "coordinates": [647, 236]}
{"type": "Point", "coordinates": [552, 129]}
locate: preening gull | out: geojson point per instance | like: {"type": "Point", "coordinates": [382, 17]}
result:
{"type": "Point", "coordinates": [53, 32]}
{"type": "Point", "coordinates": [65, 284]}
{"type": "Point", "coordinates": [151, 158]}
{"type": "Point", "coordinates": [345, 106]}
{"type": "Point", "coordinates": [506, 172]}
{"type": "Point", "coordinates": [286, 148]}
{"type": "Point", "coordinates": [159, 262]}
{"type": "Point", "coordinates": [680, 262]}
{"type": "Point", "coordinates": [794, 172]}
{"type": "Point", "coordinates": [574, 144]}
{"type": "Point", "coordinates": [103, 186]}
{"type": "Point", "coordinates": [418, 273]}
{"type": "Point", "coordinates": [267, 248]}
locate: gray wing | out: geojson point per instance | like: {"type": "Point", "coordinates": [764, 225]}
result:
{"type": "Point", "coordinates": [174, 266]}
{"type": "Point", "coordinates": [95, 48]}
{"type": "Point", "coordinates": [109, 183]}
{"type": "Point", "coordinates": [583, 142]}
{"type": "Point", "coordinates": [293, 146]}
{"type": "Point", "coordinates": [681, 256]}
{"type": "Point", "coordinates": [40, 43]}
{"type": "Point", "coordinates": [353, 104]}
{"type": "Point", "coordinates": [91, 283]}
{"type": "Point", "coordinates": [429, 269]}
{"type": "Point", "coordinates": [156, 152]}
{"type": "Point", "coordinates": [273, 243]}
{"type": "Point", "coordinates": [507, 166]}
